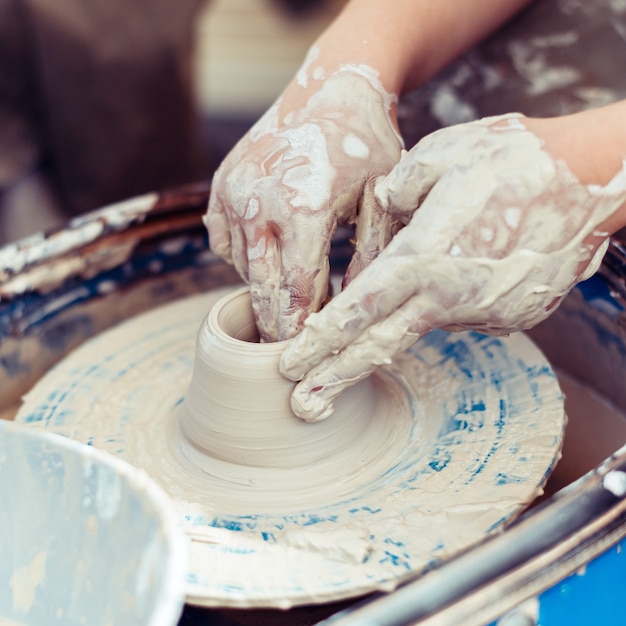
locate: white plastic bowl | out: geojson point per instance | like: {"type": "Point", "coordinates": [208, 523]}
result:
{"type": "Point", "coordinates": [85, 539]}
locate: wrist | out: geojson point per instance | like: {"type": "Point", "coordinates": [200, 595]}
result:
{"type": "Point", "coordinates": [345, 51]}
{"type": "Point", "coordinates": [384, 36]}
{"type": "Point", "coordinates": [592, 144]}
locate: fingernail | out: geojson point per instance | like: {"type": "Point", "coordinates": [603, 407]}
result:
{"type": "Point", "coordinates": [309, 404]}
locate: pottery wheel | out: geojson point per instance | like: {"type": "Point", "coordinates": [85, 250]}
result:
{"type": "Point", "coordinates": [467, 430]}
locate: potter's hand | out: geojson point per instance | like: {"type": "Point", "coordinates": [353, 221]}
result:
{"type": "Point", "coordinates": [310, 163]}
{"type": "Point", "coordinates": [503, 231]}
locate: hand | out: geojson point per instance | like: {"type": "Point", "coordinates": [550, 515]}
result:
{"type": "Point", "coordinates": [501, 233]}
{"type": "Point", "coordinates": [303, 169]}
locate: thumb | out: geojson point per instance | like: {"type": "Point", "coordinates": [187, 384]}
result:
{"type": "Point", "coordinates": [402, 191]}
{"type": "Point", "coordinates": [375, 228]}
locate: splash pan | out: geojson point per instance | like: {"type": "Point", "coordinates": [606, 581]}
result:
{"type": "Point", "coordinates": [467, 430]}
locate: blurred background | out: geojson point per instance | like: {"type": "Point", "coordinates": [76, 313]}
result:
{"type": "Point", "coordinates": [247, 52]}
{"type": "Point", "coordinates": [101, 100]}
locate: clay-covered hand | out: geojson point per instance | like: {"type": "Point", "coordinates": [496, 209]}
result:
{"type": "Point", "coordinates": [278, 197]}
{"type": "Point", "coordinates": [501, 233]}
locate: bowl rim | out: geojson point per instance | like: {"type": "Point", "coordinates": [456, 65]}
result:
{"type": "Point", "coordinates": [168, 607]}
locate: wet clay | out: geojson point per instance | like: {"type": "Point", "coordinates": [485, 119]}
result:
{"type": "Point", "coordinates": [428, 455]}
{"type": "Point", "coordinates": [237, 408]}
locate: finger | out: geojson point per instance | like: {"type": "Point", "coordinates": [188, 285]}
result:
{"type": "Point", "coordinates": [304, 282]}
{"type": "Point", "coordinates": [374, 294]}
{"type": "Point", "coordinates": [409, 182]}
{"type": "Point", "coordinates": [288, 274]}
{"type": "Point", "coordinates": [402, 190]}
{"type": "Point", "coordinates": [302, 297]}
{"type": "Point", "coordinates": [264, 279]}
{"type": "Point", "coordinates": [217, 224]}
{"type": "Point", "coordinates": [242, 206]}
{"type": "Point", "coordinates": [239, 250]}
{"type": "Point", "coordinates": [374, 230]}
{"type": "Point", "coordinates": [312, 399]}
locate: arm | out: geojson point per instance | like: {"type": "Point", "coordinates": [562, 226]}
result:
{"type": "Point", "coordinates": [409, 41]}
{"type": "Point", "coordinates": [503, 217]}
{"type": "Point", "coordinates": [313, 159]}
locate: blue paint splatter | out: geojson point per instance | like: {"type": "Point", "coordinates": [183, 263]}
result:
{"type": "Point", "coordinates": [440, 459]}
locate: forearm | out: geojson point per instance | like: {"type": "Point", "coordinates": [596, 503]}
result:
{"type": "Point", "coordinates": [409, 41]}
{"type": "Point", "coordinates": [405, 42]}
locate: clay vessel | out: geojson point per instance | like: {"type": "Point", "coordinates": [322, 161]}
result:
{"type": "Point", "coordinates": [237, 405]}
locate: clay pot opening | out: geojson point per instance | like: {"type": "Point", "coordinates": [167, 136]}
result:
{"type": "Point", "coordinates": [235, 318]}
